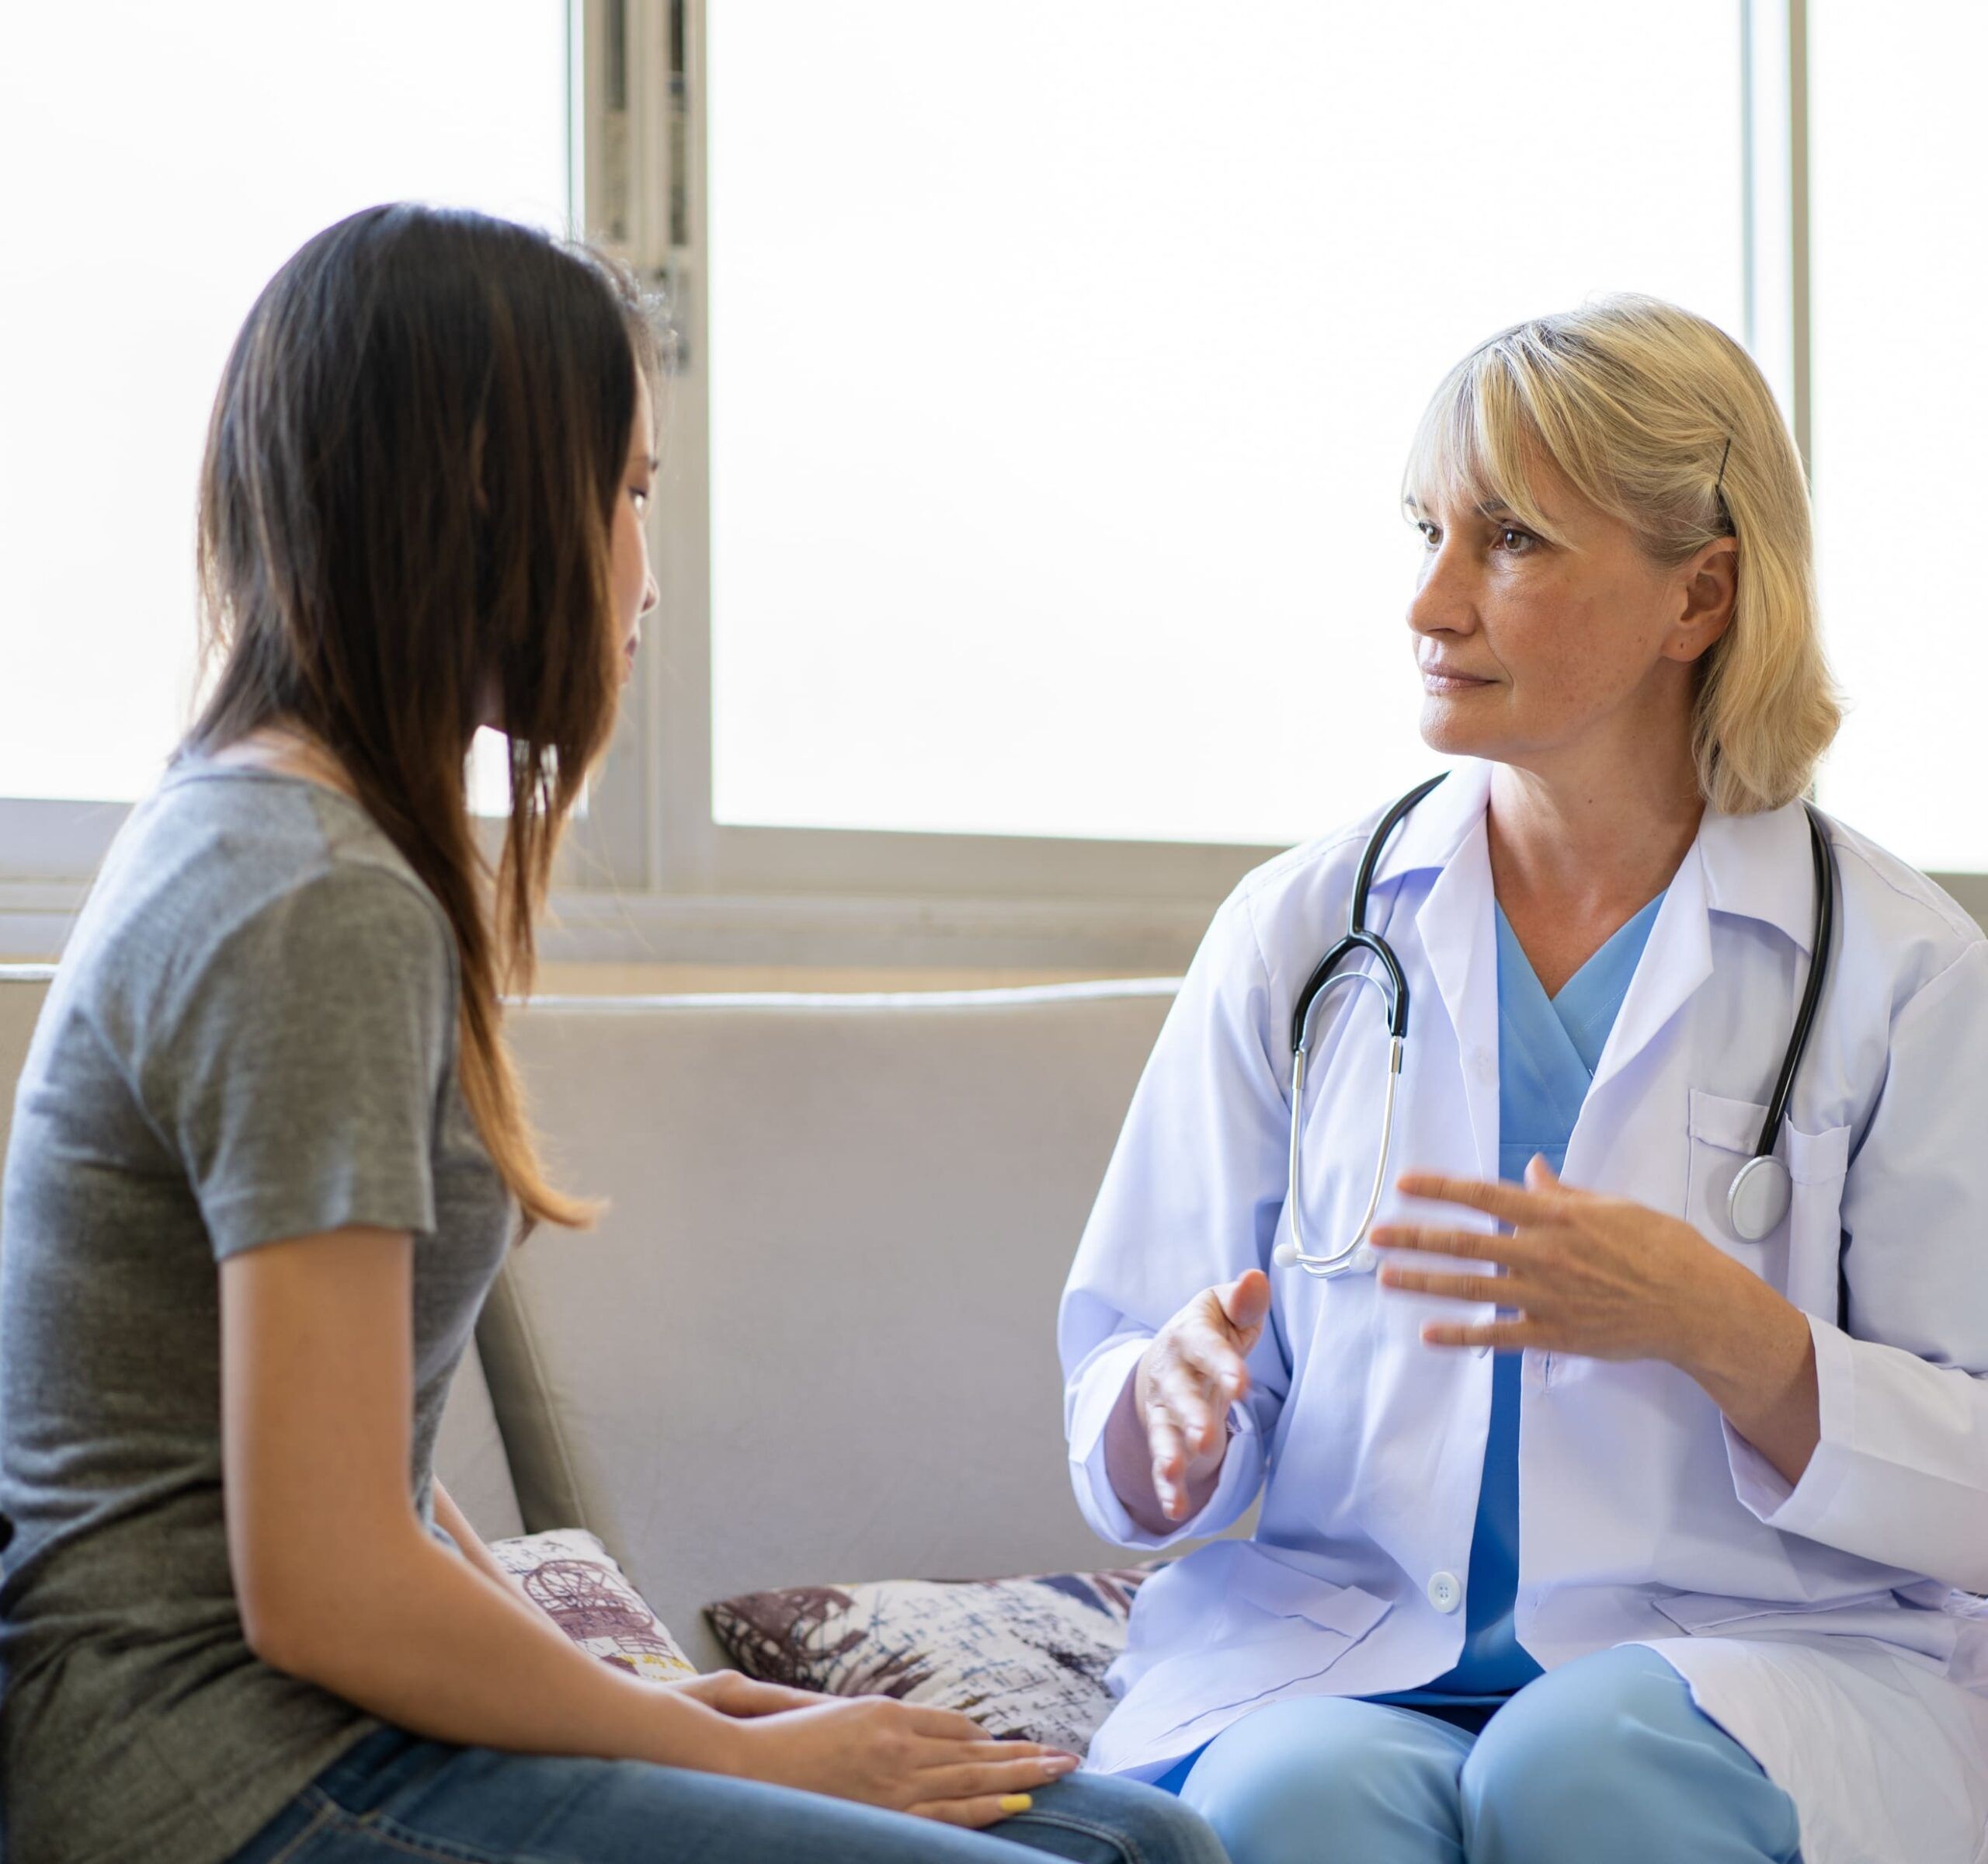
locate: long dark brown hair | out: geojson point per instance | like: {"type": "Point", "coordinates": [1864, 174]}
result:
{"type": "Point", "coordinates": [405, 516]}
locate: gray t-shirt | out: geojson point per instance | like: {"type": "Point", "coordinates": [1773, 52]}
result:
{"type": "Point", "coordinates": [252, 1036]}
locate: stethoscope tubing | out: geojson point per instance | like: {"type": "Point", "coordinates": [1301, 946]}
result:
{"type": "Point", "coordinates": [1811, 992]}
{"type": "Point", "coordinates": [1358, 938]}
{"type": "Point", "coordinates": [1394, 993]}
{"type": "Point", "coordinates": [1752, 1215]}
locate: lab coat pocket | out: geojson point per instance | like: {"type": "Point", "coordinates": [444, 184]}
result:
{"type": "Point", "coordinates": [1702, 1612]}
{"type": "Point", "coordinates": [1799, 1255]}
{"type": "Point", "coordinates": [1882, 1615]}
{"type": "Point", "coordinates": [1280, 1626]}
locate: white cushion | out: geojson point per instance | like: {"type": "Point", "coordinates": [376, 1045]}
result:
{"type": "Point", "coordinates": [814, 1340]}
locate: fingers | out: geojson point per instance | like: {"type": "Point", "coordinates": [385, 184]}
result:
{"type": "Point", "coordinates": [1497, 1289]}
{"type": "Point", "coordinates": [981, 1795]}
{"type": "Point", "coordinates": [1186, 1425]}
{"type": "Point", "coordinates": [1244, 1302]}
{"type": "Point", "coordinates": [950, 1725]}
{"type": "Point", "coordinates": [1472, 1245]}
{"type": "Point", "coordinates": [1505, 1202]}
{"type": "Point", "coordinates": [1508, 1336]}
{"type": "Point", "coordinates": [1169, 1460]}
{"type": "Point", "coordinates": [1198, 1387]}
{"type": "Point", "coordinates": [974, 1815]}
{"type": "Point", "coordinates": [1209, 1336]}
{"type": "Point", "coordinates": [1540, 1175]}
{"type": "Point", "coordinates": [751, 1698]}
{"type": "Point", "coordinates": [992, 1780]}
{"type": "Point", "coordinates": [1193, 1380]}
{"type": "Point", "coordinates": [1191, 1376]}
{"type": "Point", "coordinates": [998, 1750]}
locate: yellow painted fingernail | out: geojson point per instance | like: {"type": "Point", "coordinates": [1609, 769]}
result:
{"type": "Point", "coordinates": [1016, 1802]}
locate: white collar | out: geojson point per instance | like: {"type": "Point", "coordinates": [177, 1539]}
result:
{"type": "Point", "coordinates": [1754, 866]}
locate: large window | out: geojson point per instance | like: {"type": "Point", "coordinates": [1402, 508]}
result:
{"type": "Point", "coordinates": [1028, 531]}
{"type": "Point", "coordinates": [162, 161]}
{"type": "Point", "coordinates": [1064, 356]}
{"type": "Point", "coordinates": [1899, 203]}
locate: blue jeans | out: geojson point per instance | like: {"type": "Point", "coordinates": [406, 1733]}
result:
{"type": "Point", "coordinates": [1606, 1758]}
{"type": "Point", "coordinates": [397, 1799]}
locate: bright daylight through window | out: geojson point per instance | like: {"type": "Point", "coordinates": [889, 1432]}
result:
{"type": "Point", "coordinates": [1899, 199]}
{"type": "Point", "coordinates": [217, 139]}
{"type": "Point", "coordinates": [1065, 357]}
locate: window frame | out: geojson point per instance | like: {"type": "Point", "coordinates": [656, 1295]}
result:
{"type": "Point", "coordinates": [649, 873]}
{"type": "Point", "coordinates": [664, 839]}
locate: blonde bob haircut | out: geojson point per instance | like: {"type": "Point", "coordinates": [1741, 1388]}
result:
{"type": "Point", "coordinates": [1659, 420]}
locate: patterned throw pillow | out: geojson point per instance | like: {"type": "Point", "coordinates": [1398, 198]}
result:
{"type": "Point", "coordinates": [574, 1578]}
{"type": "Point", "coordinates": [1025, 1658]}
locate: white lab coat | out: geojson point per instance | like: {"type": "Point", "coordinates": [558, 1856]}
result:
{"type": "Point", "coordinates": [1820, 1625]}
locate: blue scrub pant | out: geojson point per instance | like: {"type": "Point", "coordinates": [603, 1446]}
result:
{"type": "Point", "coordinates": [1606, 1758]}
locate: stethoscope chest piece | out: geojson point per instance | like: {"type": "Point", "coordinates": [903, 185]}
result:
{"type": "Point", "coordinates": [1762, 1188]}
{"type": "Point", "coordinates": [1761, 1193]}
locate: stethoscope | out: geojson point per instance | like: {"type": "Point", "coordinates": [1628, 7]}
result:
{"type": "Point", "coordinates": [1761, 1190]}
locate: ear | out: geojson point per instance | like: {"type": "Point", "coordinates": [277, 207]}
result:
{"type": "Point", "coordinates": [1708, 585]}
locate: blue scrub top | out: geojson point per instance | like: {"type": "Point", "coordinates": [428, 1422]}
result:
{"type": "Point", "coordinates": [1548, 1050]}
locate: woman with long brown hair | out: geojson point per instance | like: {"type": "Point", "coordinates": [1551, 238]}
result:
{"type": "Point", "coordinates": [270, 1152]}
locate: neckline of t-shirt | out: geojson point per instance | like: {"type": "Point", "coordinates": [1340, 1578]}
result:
{"type": "Point", "coordinates": [204, 770]}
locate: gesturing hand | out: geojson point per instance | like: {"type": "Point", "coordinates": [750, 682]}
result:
{"type": "Point", "coordinates": [1597, 1276]}
{"type": "Point", "coordinates": [1187, 1380]}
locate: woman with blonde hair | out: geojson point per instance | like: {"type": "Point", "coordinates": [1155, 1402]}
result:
{"type": "Point", "coordinates": [1620, 1465]}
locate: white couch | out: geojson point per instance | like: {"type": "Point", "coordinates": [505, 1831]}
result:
{"type": "Point", "coordinates": [813, 1339]}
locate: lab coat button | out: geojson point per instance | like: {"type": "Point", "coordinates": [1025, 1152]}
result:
{"type": "Point", "coordinates": [1445, 1592]}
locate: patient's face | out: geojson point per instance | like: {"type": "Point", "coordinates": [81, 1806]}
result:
{"type": "Point", "coordinates": [1528, 648]}
{"type": "Point", "coordinates": [635, 591]}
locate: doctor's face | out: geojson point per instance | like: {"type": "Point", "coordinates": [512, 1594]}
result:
{"type": "Point", "coordinates": [1528, 648]}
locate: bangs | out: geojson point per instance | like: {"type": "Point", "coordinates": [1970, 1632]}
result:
{"type": "Point", "coordinates": [1477, 446]}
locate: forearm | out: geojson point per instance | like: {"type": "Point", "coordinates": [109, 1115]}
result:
{"type": "Point", "coordinates": [432, 1644]}
{"type": "Point", "coordinates": [452, 1520]}
{"type": "Point", "coordinates": [1751, 1351]}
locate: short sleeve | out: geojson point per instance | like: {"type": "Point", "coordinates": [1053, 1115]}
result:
{"type": "Point", "coordinates": [299, 1079]}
